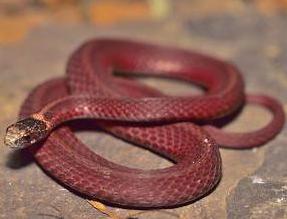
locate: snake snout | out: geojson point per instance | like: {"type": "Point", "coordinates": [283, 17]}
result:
{"type": "Point", "coordinates": [25, 133]}
{"type": "Point", "coordinates": [12, 136]}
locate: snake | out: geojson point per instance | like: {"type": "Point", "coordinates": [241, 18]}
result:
{"type": "Point", "coordinates": [101, 86]}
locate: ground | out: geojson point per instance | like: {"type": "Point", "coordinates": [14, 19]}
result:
{"type": "Point", "coordinates": [254, 182]}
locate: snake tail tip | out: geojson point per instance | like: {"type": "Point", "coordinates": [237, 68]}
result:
{"type": "Point", "coordinates": [25, 133]}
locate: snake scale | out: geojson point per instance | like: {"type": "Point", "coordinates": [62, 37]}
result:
{"type": "Point", "coordinates": [178, 128]}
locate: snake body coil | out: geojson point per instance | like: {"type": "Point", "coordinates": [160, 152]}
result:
{"type": "Point", "coordinates": [141, 115]}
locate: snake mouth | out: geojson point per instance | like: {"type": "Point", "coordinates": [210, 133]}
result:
{"type": "Point", "coordinates": [13, 136]}
{"type": "Point", "coordinates": [25, 133]}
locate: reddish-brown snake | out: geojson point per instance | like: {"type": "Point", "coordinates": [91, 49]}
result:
{"type": "Point", "coordinates": [139, 114]}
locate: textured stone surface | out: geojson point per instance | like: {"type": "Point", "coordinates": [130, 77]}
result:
{"type": "Point", "coordinates": [254, 182]}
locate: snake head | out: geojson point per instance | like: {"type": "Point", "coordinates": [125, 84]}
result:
{"type": "Point", "coordinates": [25, 133]}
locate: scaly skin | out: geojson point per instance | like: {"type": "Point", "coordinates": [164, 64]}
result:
{"type": "Point", "coordinates": [143, 116]}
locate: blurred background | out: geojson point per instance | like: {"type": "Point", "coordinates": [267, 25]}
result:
{"type": "Point", "coordinates": [17, 17]}
{"type": "Point", "coordinates": [36, 39]}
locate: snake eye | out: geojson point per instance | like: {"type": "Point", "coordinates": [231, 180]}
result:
{"type": "Point", "coordinates": [27, 138]}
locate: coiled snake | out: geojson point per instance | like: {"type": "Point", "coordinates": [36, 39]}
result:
{"type": "Point", "coordinates": [178, 128]}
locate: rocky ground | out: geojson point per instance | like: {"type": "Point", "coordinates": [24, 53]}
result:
{"type": "Point", "coordinates": [35, 45]}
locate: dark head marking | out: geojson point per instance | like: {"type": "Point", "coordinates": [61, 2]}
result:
{"type": "Point", "coordinates": [25, 132]}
